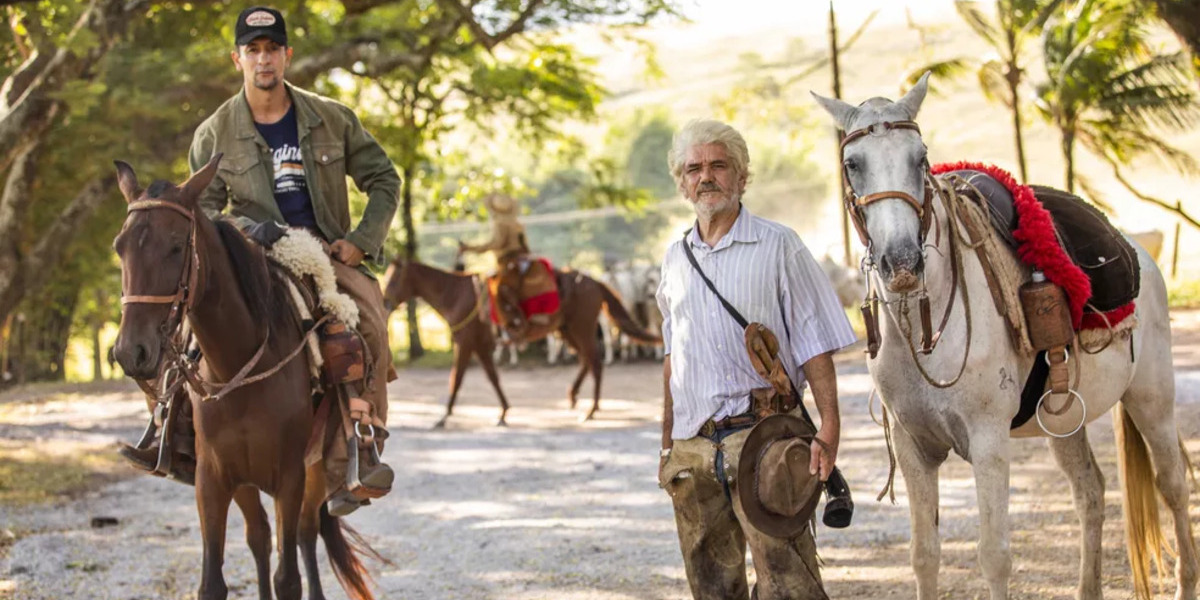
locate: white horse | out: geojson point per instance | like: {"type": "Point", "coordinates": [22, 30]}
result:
{"type": "Point", "coordinates": [847, 283]}
{"type": "Point", "coordinates": [636, 284]}
{"type": "Point", "coordinates": [972, 416]}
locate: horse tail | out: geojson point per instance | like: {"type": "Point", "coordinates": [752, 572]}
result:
{"type": "Point", "coordinates": [1143, 533]}
{"type": "Point", "coordinates": [620, 316]}
{"type": "Point", "coordinates": [345, 548]}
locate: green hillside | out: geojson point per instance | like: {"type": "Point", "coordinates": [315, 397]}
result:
{"type": "Point", "coordinates": [958, 122]}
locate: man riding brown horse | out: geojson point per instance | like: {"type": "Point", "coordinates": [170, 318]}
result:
{"type": "Point", "coordinates": [523, 288]}
{"type": "Point", "coordinates": [287, 153]}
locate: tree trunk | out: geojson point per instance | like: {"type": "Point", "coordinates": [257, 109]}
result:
{"type": "Point", "coordinates": [15, 200]}
{"type": "Point", "coordinates": [29, 108]}
{"type": "Point", "coordinates": [41, 349]}
{"type": "Point", "coordinates": [837, 93]}
{"type": "Point", "coordinates": [1068, 150]}
{"type": "Point", "coordinates": [7, 327]}
{"type": "Point", "coordinates": [96, 325]}
{"type": "Point", "coordinates": [1012, 76]}
{"type": "Point", "coordinates": [97, 354]}
{"type": "Point", "coordinates": [1018, 138]}
{"type": "Point", "coordinates": [415, 349]}
{"type": "Point", "coordinates": [31, 270]}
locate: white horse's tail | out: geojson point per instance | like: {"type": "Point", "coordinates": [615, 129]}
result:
{"type": "Point", "coordinates": [1143, 534]}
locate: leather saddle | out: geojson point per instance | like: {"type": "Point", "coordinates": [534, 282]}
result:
{"type": "Point", "coordinates": [524, 289]}
{"type": "Point", "coordinates": [1089, 239]}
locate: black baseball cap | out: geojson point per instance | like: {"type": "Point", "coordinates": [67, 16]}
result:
{"type": "Point", "coordinates": [260, 21]}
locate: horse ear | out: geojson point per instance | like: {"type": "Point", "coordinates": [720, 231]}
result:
{"type": "Point", "coordinates": [913, 99]}
{"type": "Point", "coordinates": [126, 180]}
{"type": "Point", "coordinates": [842, 112]}
{"type": "Point", "coordinates": [198, 182]}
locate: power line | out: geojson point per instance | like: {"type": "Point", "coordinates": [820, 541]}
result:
{"type": "Point", "coordinates": [566, 216]}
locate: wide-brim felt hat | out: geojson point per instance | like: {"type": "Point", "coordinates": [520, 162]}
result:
{"type": "Point", "coordinates": [776, 489]}
{"type": "Point", "coordinates": [500, 203]}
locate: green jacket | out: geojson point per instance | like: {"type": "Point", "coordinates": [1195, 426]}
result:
{"type": "Point", "coordinates": [333, 145]}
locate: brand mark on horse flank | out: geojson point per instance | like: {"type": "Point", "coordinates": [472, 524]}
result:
{"type": "Point", "coordinates": [260, 18]}
{"type": "Point", "coordinates": [1005, 379]}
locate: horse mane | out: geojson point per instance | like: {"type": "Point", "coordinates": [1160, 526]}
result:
{"type": "Point", "coordinates": [157, 187]}
{"type": "Point", "coordinates": [267, 302]}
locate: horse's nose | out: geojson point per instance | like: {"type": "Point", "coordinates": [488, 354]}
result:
{"type": "Point", "coordinates": [137, 360]}
{"type": "Point", "coordinates": [902, 268]}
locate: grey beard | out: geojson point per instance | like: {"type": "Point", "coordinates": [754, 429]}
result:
{"type": "Point", "coordinates": [707, 211]}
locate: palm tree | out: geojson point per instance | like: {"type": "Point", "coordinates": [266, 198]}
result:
{"type": "Point", "coordinates": [1109, 90]}
{"type": "Point", "coordinates": [1016, 25]}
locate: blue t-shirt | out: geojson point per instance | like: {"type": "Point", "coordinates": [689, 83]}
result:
{"type": "Point", "coordinates": [291, 189]}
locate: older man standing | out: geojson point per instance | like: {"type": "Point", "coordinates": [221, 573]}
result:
{"type": "Point", "coordinates": [713, 392]}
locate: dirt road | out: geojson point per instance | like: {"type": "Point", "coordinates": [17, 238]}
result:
{"type": "Point", "coordinates": [546, 508]}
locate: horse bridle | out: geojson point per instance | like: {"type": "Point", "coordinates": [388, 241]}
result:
{"type": "Point", "coordinates": [183, 299]}
{"type": "Point", "coordinates": [854, 207]}
{"type": "Point", "coordinates": [855, 203]}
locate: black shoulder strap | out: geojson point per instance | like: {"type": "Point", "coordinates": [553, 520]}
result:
{"type": "Point", "coordinates": [733, 312]}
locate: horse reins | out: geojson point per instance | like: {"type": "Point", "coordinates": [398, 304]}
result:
{"type": "Point", "coordinates": [184, 300]}
{"type": "Point", "coordinates": [480, 297]}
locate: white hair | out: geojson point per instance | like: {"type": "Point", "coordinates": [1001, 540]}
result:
{"type": "Point", "coordinates": [699, 132]}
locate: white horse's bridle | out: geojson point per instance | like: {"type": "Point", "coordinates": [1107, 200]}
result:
{"type": "Point", "coordinates": [855, 203]}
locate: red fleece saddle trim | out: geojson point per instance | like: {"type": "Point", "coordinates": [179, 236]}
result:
{"type": "Point", "coordinates": [1038, 247]}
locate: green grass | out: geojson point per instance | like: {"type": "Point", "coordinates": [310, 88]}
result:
{"type": "Point", "coordinates": [432, 359]}
{"type": "Point", "coordinates": [1184, 293]}
{"type": "Point", "coordinates": [30, 475]}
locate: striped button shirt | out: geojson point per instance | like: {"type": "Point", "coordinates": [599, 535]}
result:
{"type": "Point", "coordinates": [766, 273]}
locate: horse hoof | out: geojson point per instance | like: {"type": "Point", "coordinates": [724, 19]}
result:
{"type": "Point", "coordinates": [501, 423]}
{"type": "Point", "coordinates": [591, 414]}
{"type": "Point", "coordinates": [572, 401]}
{"type": "Point", "coordinates": [441, 424]}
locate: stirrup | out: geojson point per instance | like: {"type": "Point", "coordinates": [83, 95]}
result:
{"type": "Point", "coordinates": [378, 480]}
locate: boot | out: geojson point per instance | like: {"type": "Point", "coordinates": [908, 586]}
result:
{"type": "Point", "coordinates": [179, 463]}
{"type": "Point", "coordinates": [182, 467]}
{"type": "Point", "coordinates": [509, 305]}
{"type": "Point", "coordinates": [342, 503]}
{"type": "Point", "coordinates": [145, 459]}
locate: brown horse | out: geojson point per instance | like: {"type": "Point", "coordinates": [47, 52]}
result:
{"type": "Point", "coordinates": [175, 262]}
{"type": "Point", "coordinates": [465, 307]}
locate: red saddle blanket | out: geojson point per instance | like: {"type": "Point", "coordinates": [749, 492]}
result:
{"type": "Point", "coordinates": [538, 291]}
{"type": "Point", "coordinates": [1038, 246]}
